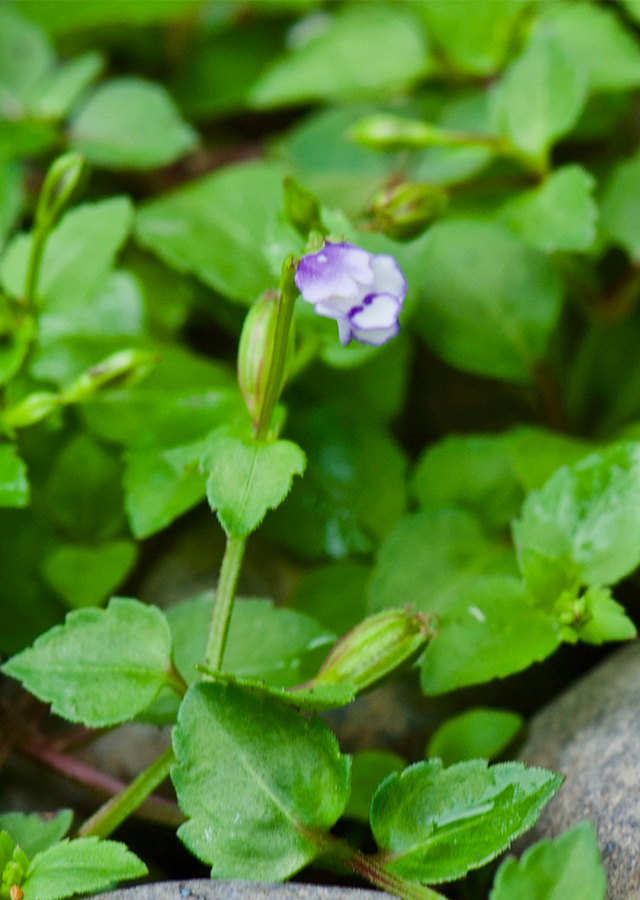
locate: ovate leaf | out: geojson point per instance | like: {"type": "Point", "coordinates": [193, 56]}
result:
{"type": "Point", "coordinates": [80, 867]}
{"type": "Point", "coordinates": [554, 870]}
{"type": "Point", "coordinates": [85, 575]}
{"type": "Point", "coordinates": [34, 833]}
{"type": "Point", "coordinates": [101, 667]}
{"type": "Point", "coordinates": [436, 824]}
{"type": "Point", "coordinates": [256, 780]}
{"type": "Point", "coordinates": [131, 123]}
{"type": "Point", "coordinates": [619, 204]}
{"type": "Point", "coordinates": [14, 484]}
{"type": "Point", "coordinates": [247, 478]}
{"type": "Point", "coordinates": [477, 733]}
{"type": "Point", "coordinates": [369, 768]}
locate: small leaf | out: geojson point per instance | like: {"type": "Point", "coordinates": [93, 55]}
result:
{"type": "Point", "coordinates": [490, 631]}
{"type": "Point", "coordinates": [570, 866]}
{"type": "Point", "coordinates": [84, 575]}
{"type": "Point", "coordinates": [368, 769]}
{"type": "Point", "coordinates": [80, 867]}
{"type": "Point", "coordinates": [335, 595]}
{"type": "Point", "coordinates": [619, 206]}
{"type": "Point", "coordinates": [314, 698]}
{"type": "Point", "coordinates": [247, 478]}
{"type": "Point", "coordinates": [256, 780]}
{"type": "Point", "coordinates": [477, 733]}
{"type": "Point", "coordinates": [14, 484]}
{"type": "Point", "coordinates": [34, 833]}
{"type": "Point", "coordinates": [588, 513]}
{"type": "Point", "coordinates": [131, 123]}
{"type": "Point", "coordinates": [435, 824]}
{"type": "Point", "coordinates": [541, 96]}
{"type": "Point", "coordinates": [101, 667]}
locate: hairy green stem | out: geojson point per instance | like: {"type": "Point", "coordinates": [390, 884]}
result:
{"type": "Point", "coordinates": [223, 602]}
{"type": "Point", "coordinates": [105, 821]}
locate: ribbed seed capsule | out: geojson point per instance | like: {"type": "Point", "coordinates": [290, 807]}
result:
{"type": "Point", "coordinates": [255, 352]}
{"type": "Point", "coordinates": [375, 647]}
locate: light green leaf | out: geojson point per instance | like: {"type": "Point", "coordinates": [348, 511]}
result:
{"type": "Point", "coordinates": [589, 514]}
{"type": "Point", "coordinates": [474, 472]}
{"type": "Point", "coordinates": [337, 63]}
{"type": "Point", "coordinates": [26, 57]}
{"type": "Point", "coordinates": [317, 698]}
{"type": "Point", "coordinates": [437, 824]}
{"type": "Point", "coordinates": [536, 453]}
{"type": "Point", "coordinates": [481, 46]}
{"type": "Point", "coordinates": [226, 228]}
{"type": "Point", "coordinates": [83, 575]}
{"type": "Point", "coordinates": [477, 733]}
{"type": "Point", "coordinates": [541, 96]}
{"type": "Point", "coordinates": [65, 87]}
{"type": "Point", "coordinates": [129, 123]}
{"type": "Point", "coordinates": [597, 41]}
{"type": "Point", "coordinates": [78, 255]}
{"type": "Point", "coordinates": [247, 478]}
{"type": "Point", "coordinates": [255, 778]}
{"type": "Point", "coordinates": [619, 206]}
{"type": "Point", "coordinates": [101, 667]}
{"type": "Point", "coordinates": [561, 214]}
{"type": "Point", "coordinates": [34, 833]}
{"type": "Point", "coordinates": [80, 867]}
{"type": "Point", "coordinates": [67, 16]}
{"type": "Point", "coordinates": [570, 866]}
{"type": "Point", "coordinates": [491, 631]}
{"type": "Point", "coordinates": [431, 557]}
{"type": "Point", "coordinates": [368, 769]}
{"type": "Point", "coordinates": [603, 619]}
{"type": "Point", "coordinates": [12, 196]}
{"type": "Point", "coordinates": [488, 302]}
{"type": "Point", "coordinates": [14, 484]}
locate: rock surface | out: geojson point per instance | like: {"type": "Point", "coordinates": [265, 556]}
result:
{"type": "Point", "coordinates": [591, 734]}
{"type": "Point", "coordinates": [239, 890]}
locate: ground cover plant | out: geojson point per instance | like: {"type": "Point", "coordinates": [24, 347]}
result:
{"type": "Point", "coordinates": [360, 280]}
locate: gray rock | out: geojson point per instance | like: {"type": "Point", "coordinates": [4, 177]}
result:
{"type": "Point", "coordinates": [591, 734]}
{"type": "Point", "coordinates": [239, 890]}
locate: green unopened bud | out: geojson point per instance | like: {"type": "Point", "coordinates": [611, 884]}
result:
{"type": "Point", "coordinates": [375, 647]}
{"type": "Point", "coordinates": [403, 212]}
{"type": "Point", "coordinates": [385, 132]}
{"type": "Point", "coordinates": [301, 208]}
{"type": "Point", "coordinates": [31, 410]}
{"type": "Point", "coordinates": [118, 370]}
{"type": "Point", "coordinates": [255, 352]}
{"type": "Point", "coordinates": [62, 182]}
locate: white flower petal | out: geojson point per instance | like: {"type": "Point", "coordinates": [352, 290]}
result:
{"type": "Point", "coordinates": [388, 277]}
{"type": "Point", "coordinates": [345, 332]}
{"type": "Point", "coordinates": [316, 289]}
{"type": "Point", "coordinates": [380, 312]}
{"type": "Point", "coordinates": [376, 336]}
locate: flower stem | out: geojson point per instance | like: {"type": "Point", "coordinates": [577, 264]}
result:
{"type": "Point", "coordinates": [30, 297]}
{"type": "Point", "coordinates": [223, 602]}
{"type": "Point", "coordinates": [105, 821]}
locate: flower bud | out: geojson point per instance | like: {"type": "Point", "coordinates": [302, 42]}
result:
{"type": "Point", "coordinates": [389, 133]}
{"type": "Point", "coordinates": [116, 371]}
{"type": "Point", "coordinates": [63, 180]}
{"type": "Point", "coordinates": [403, 212]}
{"type": "Point", "coordinates": [31, 410]}
{"type": "Point", "coordinates": [375, 647]}
{"type": "Point", "coordinates": [255, 352]}
{"type": "Point", "coordinates": [301, 208]}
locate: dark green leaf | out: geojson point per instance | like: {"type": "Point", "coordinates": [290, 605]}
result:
{"type": "Point", "coordinates": [436, 824]}
{"type": "Point", "coordinates": [256, 780]}
{"type": "Point", "coordinates": [478, 733]}
{"type": "Point", "coordinates": [14, 484]}
{"type": "Point", "coordinates": [368, 769]}
{"type": "Point", "coordinates": [335, 595]}
{"type": "Point", "coordinates": [84, 575]}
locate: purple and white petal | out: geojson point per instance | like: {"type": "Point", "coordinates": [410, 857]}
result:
{"type": "Point", "coordinates": [341, 270]}
{"type": "Point", "coordinates": [345, 332]}
{"type": "Point", "coordinates": [378, 311]}
{"type": "Point", "coordinates": [388, 277]}
{"type": "Point", "coordinates": [376, 337]}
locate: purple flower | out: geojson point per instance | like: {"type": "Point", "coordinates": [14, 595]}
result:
{"type": "Point", "coordinates": [361, 291]}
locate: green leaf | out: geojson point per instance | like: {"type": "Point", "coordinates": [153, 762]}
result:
{"type": "Point", "coordinates": [318, 698]}
{"type": "Point", "coordinates": [431, 557]}
{"type": "Point", "coordinates": [129, 123]}
{"type": "Point", "coordinates": [437, 824]}
{"type": "Point", "coordinates": [589, 514]}
{"type": "Point", "coordinates": [561, 214]}
{"type": "Point", "coordinates": [335, 595]}
{"type": "Point", "coordinates": [225, 228]}
{"type": "Point", "coordinates": [477, 733]}
{"type": "Point", "coordinates": [554, 870]}
{"type": "Point", "coordinates": [14, 484]}
{"type": "Point", "coordinates": [101, 667]}
{"type": "Point", "coordinates": [488, 302]}
{"type": "Point", "coordinates": [255, 761]}
{"type": "Point", "coordinates": [265, 642]}
{"type": "Point", "coordinates": [491, 630]}
{"type": "Point", "coordinates": [247, 478]}
{"type": "Point", "coordinates": [26, 58]}
{"type": "Point", "coordinates": [12, 196]}
{"type": "Point", "coordinates": [34, 833]}
{"type": "Point", "coordinates": [84, 575]}
{"type": "Point", "coordinates": [540, 97]}
{"type": "Point", "coordinates": [333, 509]}
{"type": "Point", "coordinates": [481, 46]}
{"type": "Point", "coordinates": [597, 41]}
{"type": "Point", "coordinates": [67, 85]}
{"type": "Point", "coordinates": [78, 255]}
{"type": "Point", "coordinates": [80, 867]}
{"type": "Point", "coordinates": [336, 63]}
{"type": "Point", "coordinates": [606, 619]}
{"type": "Point", "coordinates": [473, 472]}
{"type": "Point", "coordinates": [536, 453]}
{"type": "Point", "coordinates": [619, 206]}
{"type": "Point", "coordinates": [67, 16]}
{"type": "Point", "coordinates": [368, 769]}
